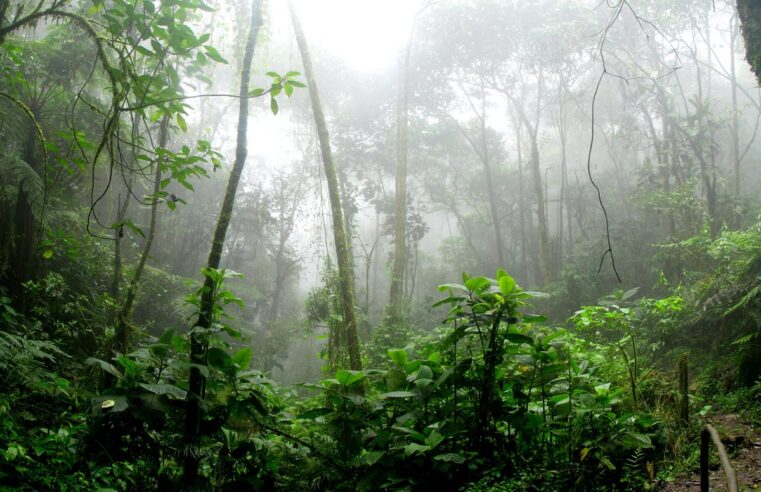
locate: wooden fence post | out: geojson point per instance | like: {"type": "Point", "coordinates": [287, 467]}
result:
{"type": "Point", "coordinates": [709, 432]}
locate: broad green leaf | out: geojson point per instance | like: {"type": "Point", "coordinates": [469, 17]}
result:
{"type": "Point", "coordinates": [371, 457]}
{"type": "Point", "coordinates": [165, 389]}
{"type": "Point", "coordinates": [212, 53]}
{"type": "Point", "coordinates": [533, 318]}
{"type": "Point", "coordinates": [506, 284]}
{"type": "Point", "coordinates": [445, 287]}
{"type": "Point", "coordinates": [422, 383]}
{"type": "Point", "coordinates": [434, 439]}
{"type": "Point", "coordinates": [629, 293]}
{"type": "Point", "coordinates": [450, 457]}
{"type": "Point", "coordinates": [132, 227]}
{"type": "Point", "coordinates": [477, 284]}
{"type": "Point", "coordinates": [218, 359]}
{"type": "Point", "coordinates": [399, 356]}
{"type": "Point", "coordinates": [449, 300]}
{"type": "Point", "coordinates": [641, 440]}
{"type": "Point", "coordinates": [396, 394]}
{"type": "Point", "coordinates": [413, 448]}
{"type": "Point", "coordinates": [242, 358]}
{"type": "Point", "coordinates": [347, 377]}
{"type": "Point", "coordinates": [519, 338]}
{"type": "Point", "coordinates": [110, 403]}
{"type": "Point", "coordinates": [424, 372]}
{"type": "Point", "coordinates": [109, 368]}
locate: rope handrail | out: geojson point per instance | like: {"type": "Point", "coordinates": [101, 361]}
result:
{"type": "Point", "coordinates": [729, 472]}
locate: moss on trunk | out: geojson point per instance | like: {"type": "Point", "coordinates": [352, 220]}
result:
{"type": "Point", "coordinates": [750, 20]}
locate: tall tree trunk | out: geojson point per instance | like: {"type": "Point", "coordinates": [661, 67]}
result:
{"type": "Point", "coordinates": [541, 215]}
{"type": "Point", "coordinates": [482, 150]}
{"type": "Point", "coordinates": [400, 192]}
{"type": "Point", "coordinates": [121, 211]}
{"type": "Point", "coordinates": [23, 264]}
{"type": "Point", "coordinates": [122, 334]}
{"type": "Point", "coordinates": [22, 260]}
{"type": "Point", "coordinates": [198, 342]}
{"type": "Point", "coordinates": [563, 134]}
{"type": "Point", "coordinates": [493, 207]}
{"type": "Point", "coordinates": [286, 224]}
{"type": "Point", "coordinates": [521, 201]}
{"type": "Point", "coordinates": [536, 174]}
{"type": "Point", "coordinates": [733, 32]}
{"type": "Point", "coordinates": [339, 234]}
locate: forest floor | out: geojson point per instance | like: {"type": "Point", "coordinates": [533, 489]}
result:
{"type": "Point", "coordinates": [743, 443]}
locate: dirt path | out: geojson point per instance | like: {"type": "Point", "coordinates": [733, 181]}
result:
{"type": "Point", "coordinates": [743, 443]}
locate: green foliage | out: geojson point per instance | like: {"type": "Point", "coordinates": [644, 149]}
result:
{"type": "Point", "coordinates": [423, 420]}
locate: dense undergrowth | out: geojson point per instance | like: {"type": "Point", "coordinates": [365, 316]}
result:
{"type": "Point", "coordinates": [120, 373]}
{"type": "Point", "coordinates": [496, 398]}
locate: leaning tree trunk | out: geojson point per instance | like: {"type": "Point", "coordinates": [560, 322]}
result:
{"type": "Point", "coordinates": [339, 234]}
{"type": "Point", "coordinates": [750, 20]}
{"type": "Point", "coordinates": [198, 344]}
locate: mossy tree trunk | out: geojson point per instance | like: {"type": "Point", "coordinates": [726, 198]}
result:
{"type": "Point", "coordinates": [396, 290]}
{"type": "Point", "coordinates": [345, 274]}
{"type": "Point", "coordinates": [750, 21]}
{"type": "Point", "coordinates": [122, 332]}
{"type": "Point", "coordinates": [198, 340]}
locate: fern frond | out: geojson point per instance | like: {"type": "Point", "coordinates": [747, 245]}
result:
{"type": "Point", "coordinates": [25, 360]}
{"type": "Point", "coordinates": [17, 173]}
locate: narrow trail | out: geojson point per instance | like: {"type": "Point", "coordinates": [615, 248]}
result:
{"type": "Point", "coordinates": [743, 443]}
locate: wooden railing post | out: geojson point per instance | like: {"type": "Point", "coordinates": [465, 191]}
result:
{"type": "Point", "coordinates": [709, 432]}
{"type": "Point", "coordinates": [704, 439]}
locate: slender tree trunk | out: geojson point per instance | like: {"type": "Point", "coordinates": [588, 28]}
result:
{"type": "Point", "coordinates": [122, 334]}
{"type": "Point", "coordinates": [400, 193]}
{"type": "Point", "coordinates": [121, 212]}
{"type": "Point", "coordinates": [339, 234]}
{"type": "Point", "coordinates": [536, 173]}
{"type": "Point", "coordinates": [541, 216]}
{"type": "Point", "coordinates": [735, 125]}
{"type": "Point", "coordinates": [482, 150]}
{"type": "Point", "coordinates": [563, 133]}
{"type": "Point", "coordinates": [281, 273]}
{"type": "Point", "coordinates": [493, 207]}
{"type": "Point", "coordinates": [198, 341]}
{"type": "Point", "coordinates": [521, 201]}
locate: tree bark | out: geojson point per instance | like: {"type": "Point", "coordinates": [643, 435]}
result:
{"type": "Point", "coordinates": [749, 12]}
{"type": "Point", "coordinates": [400, 194]}
{"type": "Point", "coordinates": [345, 274]}
{"type": "Point", "coordinates": [735, 124]}
{"type": "Point", "coordinates": [122, 334]}
{"type": "Point", "coordinates": [536, 173]}
{"type": "Point", "coordinates": [198, 342]}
